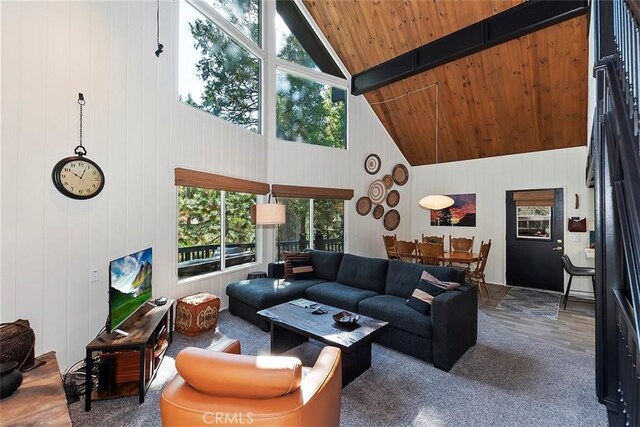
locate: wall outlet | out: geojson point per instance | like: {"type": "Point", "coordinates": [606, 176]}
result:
{"type": "Point", "coordinates": [575, 238]}
{"type": "Point", "coordinates": [94, 275]}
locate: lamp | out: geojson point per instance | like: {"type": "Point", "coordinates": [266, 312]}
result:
{"type": "Point", "coordinates": [268, 213]}
{"type": "Point", "coordinates": [436, 202]}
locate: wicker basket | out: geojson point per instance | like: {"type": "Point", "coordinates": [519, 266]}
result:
{"type": "Point", "coordinates": [17, 342]}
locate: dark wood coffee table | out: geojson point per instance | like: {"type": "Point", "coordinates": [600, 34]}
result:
{"type": "Point", "coordinates": [292, 325]}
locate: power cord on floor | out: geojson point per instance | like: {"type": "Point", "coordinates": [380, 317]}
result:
{"type": "Point", "coordinates": [74, 380]}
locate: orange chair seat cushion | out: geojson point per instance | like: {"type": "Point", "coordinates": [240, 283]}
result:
{"type": "Point", "coordinates": [232, 375]}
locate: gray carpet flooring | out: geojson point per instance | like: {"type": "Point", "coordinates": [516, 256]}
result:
{"type": "Point", "coordinates": [504, 380]}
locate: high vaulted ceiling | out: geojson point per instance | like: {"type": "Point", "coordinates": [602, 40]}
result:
{"type": "Point", "coordinates": [528, 94]}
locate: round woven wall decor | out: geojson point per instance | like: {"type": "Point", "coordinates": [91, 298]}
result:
{"type": "Point", "coordinates": [378, 211]}
{"type": "Point", "coordinates": [377, 192]}
{"type": "Point", "coordinates": [363, 205]}
{"type": "Point", "coordinates": [400, 174]}
{"type": "Point", "coordinates": [393, 198]}
{"type": "Point", "coordinates": [372, 164]}
{"type": "Point", "coordinates": [388, 181]}
{"type": "Point", "coordinates": [391, 220]}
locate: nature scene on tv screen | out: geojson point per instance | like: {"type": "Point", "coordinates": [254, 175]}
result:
{"type": "Point", "coordinates": [130, 285]}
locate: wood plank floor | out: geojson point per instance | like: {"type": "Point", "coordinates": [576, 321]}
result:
{"type": "Point", "coordinates": [574, 329]}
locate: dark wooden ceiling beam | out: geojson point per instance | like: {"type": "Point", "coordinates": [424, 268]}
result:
{"type": "Point", "coordinates": [515, 22]}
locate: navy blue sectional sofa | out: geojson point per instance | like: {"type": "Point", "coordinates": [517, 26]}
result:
{"type": "Point", "coordinates": [377, 288]}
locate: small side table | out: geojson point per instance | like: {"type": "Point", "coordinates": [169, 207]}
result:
{"type": "Point", "coordinates": [256, 275]}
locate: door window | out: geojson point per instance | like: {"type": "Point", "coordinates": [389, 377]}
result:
{"type": "Point", "coordinates": [534, 222]}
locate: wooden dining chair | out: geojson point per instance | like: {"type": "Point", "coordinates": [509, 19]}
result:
{"type": "Point", "coordinates": [461, 244]}
{"type": "Point", "coordinates": [433, 239]}
{"type": "Point", "coordinates": [406, 250]}
{"type": "Point", "coordinates": [477, 275]}
{"type": "Point", "coordinates": [390, 246]}
{"type": "Point", "coordinates": [431, 253]}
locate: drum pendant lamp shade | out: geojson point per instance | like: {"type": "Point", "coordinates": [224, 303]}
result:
{"type": "Point", "coordinates": [268, 214]}
{"type": "Point", "coordinates": [436, 202]}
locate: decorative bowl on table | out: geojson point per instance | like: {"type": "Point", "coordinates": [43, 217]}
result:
{"type": "Point", "coordinates": [346, 318]}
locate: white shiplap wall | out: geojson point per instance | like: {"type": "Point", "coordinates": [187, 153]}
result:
{"type": "Point", "coordinates": [490, 179]}
{"type": "Point", "coordinates": [138, 132]}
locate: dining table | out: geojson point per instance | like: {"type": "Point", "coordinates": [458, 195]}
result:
{"type": "Point", "coordinates": [462, 257]}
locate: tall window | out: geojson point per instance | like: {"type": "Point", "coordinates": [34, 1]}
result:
{"type": "Point", "coordinates": [220, 63]}
{"type": "Point", "coordinates": [203, 236]}
{"type": "Point", "coordinates": [310, 88]}
{"type": "Point", "coordinates": [310, 223]}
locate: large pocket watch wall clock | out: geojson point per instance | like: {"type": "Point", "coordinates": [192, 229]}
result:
{"type": "Point", "coordinates": [77, 176]}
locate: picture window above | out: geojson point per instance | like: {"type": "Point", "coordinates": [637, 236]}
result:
{"type": "Point", "coordinates": [217, 74]}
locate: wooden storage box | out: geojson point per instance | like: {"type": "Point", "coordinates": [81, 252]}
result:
{"type": "Point", "coordinates": [126, 365]}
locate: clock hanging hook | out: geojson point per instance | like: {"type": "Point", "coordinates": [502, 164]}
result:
{"type": "Point", "coordinates": [80, 150]}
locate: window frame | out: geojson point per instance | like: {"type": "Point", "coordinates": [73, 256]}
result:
{"type": "Point", "coordinates": [205, 180]}
{"type": "Point", "coordinates": [223, 213]}
{"type": "Point", "coordinates": [298, 70]}
{"type": "Point", "coordinates": [245, 42]}
{"type": "Point", "coordinates": [311, 237]}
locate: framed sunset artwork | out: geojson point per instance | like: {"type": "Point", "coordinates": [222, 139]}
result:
{"type": "Point", "coordinates": [461, 214]}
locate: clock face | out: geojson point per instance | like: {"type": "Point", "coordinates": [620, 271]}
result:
{"type": "Point", "coordinates": [78, 177]}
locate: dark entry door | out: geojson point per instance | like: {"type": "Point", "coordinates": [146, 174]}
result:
{"type": "Point", "coordinates": [535, 220]}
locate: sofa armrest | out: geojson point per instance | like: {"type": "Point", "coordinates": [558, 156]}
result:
{"type": "Point", "coordinates": [454, 317]}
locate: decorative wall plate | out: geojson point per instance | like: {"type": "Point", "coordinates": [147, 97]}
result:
{"type": "Point", "coordinates": [388, 181]}
{"type": "Point", "coordinates": [377, 192]}
{"type": "Point", "coordinates": [372, 164]}
{"type": "Point", "coordinates": [400, 174]}
{"type": "Point", "coordinates": [378, 211]}
{"type": "Point", "coordinates": [393, 198]}
{"type": "Point", "coordinates": [363, 205]}
{"type": "Point", "coordinates": [391, 220]}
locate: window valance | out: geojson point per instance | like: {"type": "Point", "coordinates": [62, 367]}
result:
{"type": "Point", "coordinates": [191, 178]}
{"type": "Point", "coordinates": [295, 191]}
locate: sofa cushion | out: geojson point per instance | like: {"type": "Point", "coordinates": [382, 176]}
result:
{"type": "Point", "coordinates": [325, 264]}
{"type": "Point", "coordinates": [288, 257]}
{"type": "Point", "coordinates": [394, 310]}
{"type": "Point", "coordinates": [338, 295]}
{"type": "Point", "coordinates": [428, 288]}
{"type": "Point", "coordinates": [263, 293]}
{"type": "Point", "coordinates": [364, 273]}
{"type": "Point", "coordinates": [403, 277]}
{"type": "Point", "coordinates": [302, 269]}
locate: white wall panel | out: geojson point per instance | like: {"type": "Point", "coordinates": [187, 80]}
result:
{"type": "Point", "coordinates": [490, 179]}
{"type": "Point", "coordinates": [138, 132]}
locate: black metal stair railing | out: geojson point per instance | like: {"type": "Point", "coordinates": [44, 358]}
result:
{"type": "Point", "coordinates": [626, 31]}
{"type": "Point", "coordinates": [620, 118]}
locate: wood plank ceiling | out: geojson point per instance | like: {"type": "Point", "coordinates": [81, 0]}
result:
{"type": "Point", "coordinates": [525, 95]}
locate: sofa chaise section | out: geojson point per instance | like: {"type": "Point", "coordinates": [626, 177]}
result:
{"type": "Point", "coordinates": [247, 297]}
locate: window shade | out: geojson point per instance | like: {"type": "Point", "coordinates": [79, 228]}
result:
{"type": "Point", "coordinates": [191, 178]}
{"type": "Point", "coordinates": [534, 198]}
{"type": "Point", "coordinates": [295, 191]}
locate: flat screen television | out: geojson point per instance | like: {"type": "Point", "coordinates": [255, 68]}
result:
{"type": "Point", "coordinates": [129, 286]}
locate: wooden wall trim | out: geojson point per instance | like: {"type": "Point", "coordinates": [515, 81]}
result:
{"type": "Point", "coordinates": [191, 178]}
{"type": "Point", "coordinates": [311, 192]}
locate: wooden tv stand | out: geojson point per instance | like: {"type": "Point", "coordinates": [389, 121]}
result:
{"type": "Point", "coordinates": [147, 329]}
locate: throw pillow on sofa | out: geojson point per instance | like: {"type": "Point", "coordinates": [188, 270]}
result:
{"type": "Point", "coordinates": [290, 256]}
{"type": "Point", "coordinates": [428, 288]}
{"type": "Point", "coordinates": [302, 269]}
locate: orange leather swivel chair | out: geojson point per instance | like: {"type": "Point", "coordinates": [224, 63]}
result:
{"type": "Point", "coordinates": [228, 389]}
